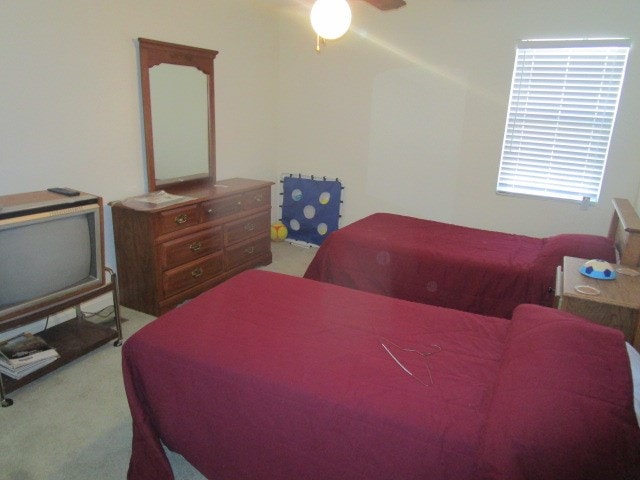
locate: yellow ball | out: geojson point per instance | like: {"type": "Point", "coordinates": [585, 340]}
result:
{"type": "Point", "coordinates": [278, 232]}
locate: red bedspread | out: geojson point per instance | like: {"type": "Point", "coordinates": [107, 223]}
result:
{"type": "Point", "coordinates": [448, 265]}
{"type": "Point", "coordinates": [273, 377]}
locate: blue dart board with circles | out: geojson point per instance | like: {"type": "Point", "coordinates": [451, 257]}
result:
{"type": "Point", "coordinates": [310, 207]}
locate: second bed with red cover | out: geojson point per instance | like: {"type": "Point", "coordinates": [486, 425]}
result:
{"type": "Point", "coordinates": [449, 265]}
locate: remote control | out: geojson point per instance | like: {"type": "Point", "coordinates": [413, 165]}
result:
{"type": "Point", "coordinates": [64, 191]}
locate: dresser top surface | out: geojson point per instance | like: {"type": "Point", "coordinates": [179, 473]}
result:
{"type": "Point", "coordinates": [193, 193]}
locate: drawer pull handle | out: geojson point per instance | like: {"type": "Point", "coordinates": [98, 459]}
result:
{"type": "Point", "coordinates": [180, 219]}
{"type": "Point", "coordinates": [257, 198]}
{"type": "Point", "coordinates": [197, 272]}
{"type": "Point", "coordinates": [249, 227]}
{"type": "Point", "coordinates": [211, 211]}
{"type": "Point", "coordinates": [249, 250]}
{"type": "Point", "coordinates": [195, 246]}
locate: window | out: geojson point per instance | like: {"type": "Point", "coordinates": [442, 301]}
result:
{"type": "Point", "coordinates": [563, 103]}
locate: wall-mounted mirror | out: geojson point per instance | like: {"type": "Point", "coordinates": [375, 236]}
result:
{"type": "Point", "coordinates": [179, 114]}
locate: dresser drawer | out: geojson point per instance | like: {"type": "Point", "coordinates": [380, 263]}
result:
{"type": "Point", "coordinates": [181, 297]}
{"type": "Point", "coordinates": [191, 247]}
{"type": "Point", "coordinates": [256, 198]}
{"type": "Point", "coordinates": [177, 219]}
{"type": "Point", "coordinates": [191, 274]}
{"type": "Point", "coordinates": [247, 252]}
{"type": "Point", "coordinates": [246, 228]}
{"type": "Point", "coordinates": [221, 207]}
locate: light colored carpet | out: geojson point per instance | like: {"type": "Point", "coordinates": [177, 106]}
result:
{"type": "Point", "coordinates": [75, 424]}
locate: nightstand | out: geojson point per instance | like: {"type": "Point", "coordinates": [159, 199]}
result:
{"type": "Point", "coordinates": [617, 305]}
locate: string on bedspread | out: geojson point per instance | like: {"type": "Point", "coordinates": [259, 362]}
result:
{"type": "Point", "coordinates": [437, 348]}
{"type": "Point", "coordinates": [311, 207]}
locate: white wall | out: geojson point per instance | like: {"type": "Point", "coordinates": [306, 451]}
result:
{"type": "Point", "coordinates": [409, 108]}
{"type": "Point", "coordinates": [70, 112]}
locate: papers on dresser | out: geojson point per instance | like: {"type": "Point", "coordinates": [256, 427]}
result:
{"type": "Point", "coordinates": [153, 200]}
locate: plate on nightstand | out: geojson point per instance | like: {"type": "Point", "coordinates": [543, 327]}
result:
{"type": "Point", "coordinates": [587, 290]}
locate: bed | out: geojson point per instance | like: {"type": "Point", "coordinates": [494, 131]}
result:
{"type": "Point", "coordinates": [269, 376]}
{"type": "Point", "coordinates": [463, 268]}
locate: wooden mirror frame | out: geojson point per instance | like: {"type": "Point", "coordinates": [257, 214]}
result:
{"type": "Point", "coordinates": [152, 53]}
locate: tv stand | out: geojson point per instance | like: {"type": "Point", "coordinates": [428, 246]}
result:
{"type": "Point", "coordinates": [72, 338]}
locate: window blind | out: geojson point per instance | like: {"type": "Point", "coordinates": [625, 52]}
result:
{"type": "Point", "coordinates": [562, 107]}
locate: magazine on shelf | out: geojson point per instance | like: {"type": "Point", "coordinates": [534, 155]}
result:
{"type": "Point", "coordinates": [24, 354]}
{"type": "Point", "coordinates": [23, 370]}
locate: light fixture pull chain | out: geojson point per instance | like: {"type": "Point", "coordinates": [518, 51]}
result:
{"type": "Point", "coordinates": [319, 42]}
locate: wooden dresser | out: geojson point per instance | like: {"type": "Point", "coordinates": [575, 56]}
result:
{"type": "Point", "coordinates": [171, 253]}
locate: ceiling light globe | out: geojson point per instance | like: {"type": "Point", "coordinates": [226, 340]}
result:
{"type": "Point", "coordinates": [330, 18]}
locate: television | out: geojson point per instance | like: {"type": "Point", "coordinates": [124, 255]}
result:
{"type": "Point", "coordinates": [50, 250]}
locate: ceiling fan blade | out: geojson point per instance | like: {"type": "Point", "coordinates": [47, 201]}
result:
{"type": "Point", "coordinates": [387, 4]}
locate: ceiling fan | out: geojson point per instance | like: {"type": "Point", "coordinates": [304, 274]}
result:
{"type": "Point", "coordinates": [331, 19]}
{"type": "Point", "coordinates": [387, 4]}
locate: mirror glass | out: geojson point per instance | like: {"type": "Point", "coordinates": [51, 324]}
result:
{"type": "Point", "coordinates": [180, 123]}
{"type": "Point", "coordinates": [178, 105]}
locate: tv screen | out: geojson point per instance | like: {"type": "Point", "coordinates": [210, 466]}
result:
{"type": "Point", "coordinates": [48, 255]}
